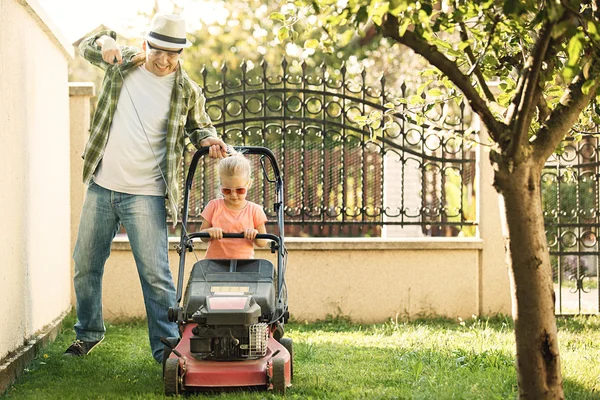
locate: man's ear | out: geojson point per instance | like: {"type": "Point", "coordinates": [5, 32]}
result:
{"type": "Point", "coordinates": [144, 45]}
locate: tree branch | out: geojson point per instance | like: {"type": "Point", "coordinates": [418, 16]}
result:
{"type": "Point", "coordinates": [475, 63]}
{"type": "Point", "coordinates": [497, 130]}
{"type": "Point", "coordinates": [543, 109]}
{"type": "Point", "coordinates": [562, 118]}
{"type": "Point", "coordinates": [528, 100]}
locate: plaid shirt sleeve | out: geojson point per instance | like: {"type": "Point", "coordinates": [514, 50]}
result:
{"type": "Point", "coordinates": [198, 124]}
{"type": "Point", "coordinates": [89, 49]}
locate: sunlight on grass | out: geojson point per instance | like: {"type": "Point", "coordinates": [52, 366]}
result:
{"type": "Point", "coordinates": [335, 359]}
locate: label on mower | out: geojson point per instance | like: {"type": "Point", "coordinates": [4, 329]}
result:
{"type": "Point", "coordinates": [230, 289]}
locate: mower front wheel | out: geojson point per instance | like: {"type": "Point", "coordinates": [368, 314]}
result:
{"type": "Point", "coordinates": [279, 385]}
{"type": "Point", "coordinates": [289, 346]}
{"type": "Point", "coordinates": [172, 377]}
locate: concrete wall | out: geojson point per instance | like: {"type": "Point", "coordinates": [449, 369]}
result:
{"type": "Point", "coordinates": [35, 170]}
{"type": "Point", "coordinates": [369, 280]}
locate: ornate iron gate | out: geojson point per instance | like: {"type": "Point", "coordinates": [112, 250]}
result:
{"type": "Point", "coordinates": [402, 178]}
{"type": "Point", "coordinates": [570, 195]}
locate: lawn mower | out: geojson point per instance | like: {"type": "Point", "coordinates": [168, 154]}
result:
{"type": "Point", "coordinates": [233, 314]}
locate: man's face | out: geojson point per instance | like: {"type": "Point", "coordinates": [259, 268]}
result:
{"type": "Point", "coordinates": [159, 60]}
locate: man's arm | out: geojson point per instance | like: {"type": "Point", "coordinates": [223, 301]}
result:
{"type": "Point", "coordinates": [200, 129]}
{"type": "Point", "coordinates": [101, 49]}
{"type": "Point", "coordinates": [91, 48]}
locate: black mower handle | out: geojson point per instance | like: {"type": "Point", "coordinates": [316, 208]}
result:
{"type": "Point", "coordinates": [205, 235]}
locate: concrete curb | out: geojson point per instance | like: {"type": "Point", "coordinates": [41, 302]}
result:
{"type": "Point", "coordinates": [15, 363]}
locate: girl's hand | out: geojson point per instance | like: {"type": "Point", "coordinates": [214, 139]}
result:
{"type": "Point", "coordinates": [250, 233]}
{"type": "Point", "coordinates": [215, 233]}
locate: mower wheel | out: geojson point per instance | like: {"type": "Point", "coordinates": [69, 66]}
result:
{"type": "Point", "coordinates": [289, 346]}
{"type": "Point", "coordinates": [167, 350]}
{"type": "Point", "coordinates": [172, 377]}
{"type": "Point", "coordinates": [279, 376]}
{"type": "Point", "coordinates": [278, 332]}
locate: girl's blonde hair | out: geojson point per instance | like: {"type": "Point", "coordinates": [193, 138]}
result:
{"type": "Point", "coordinates": [235, 165]}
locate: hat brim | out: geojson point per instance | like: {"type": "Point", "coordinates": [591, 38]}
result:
{"type": "Point", "coordinates": [165, 44]}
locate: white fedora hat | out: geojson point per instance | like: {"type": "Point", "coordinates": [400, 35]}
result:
{"type": "Point", "coordinates": [168, 31]}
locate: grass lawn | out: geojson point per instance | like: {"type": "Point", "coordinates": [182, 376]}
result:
{"type": "Point", "coordinates": [334, 359]}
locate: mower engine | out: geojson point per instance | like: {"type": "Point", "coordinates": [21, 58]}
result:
{"type": "Point", "coordinates": [231, 302]}
{"type": "Point", "coordinates": [228, 329]}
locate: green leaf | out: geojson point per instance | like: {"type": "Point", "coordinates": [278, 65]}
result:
{"type": "Point", "coordinates": [574, 50]}
{"type": "Point", "coordinates": [585, 89]}
{"type": "Point", "coordinates": [504, 99]}
{"type": "Point", "coordinates": [463, 45]}
{"type": "Point", "coordinates": [277, 16]}
{"type": "Point", "coordinates": [570, 72]}
{"type": "Point", "coordinates": [284, 33]}
{"type": "Point", "coordinates": [593, 30]}
{"type": "Point", "coordinates": [455, 53]}
{"type": "Point", "coordinates": [442, 43]}
{"type": "Point", "coordinates": [360, 120]}
{"type": "Point", "coordinates": [404, 26]}
{"type": "Point", "coordinates": [375, 115]}
{"type": "Point", "coordinates": [311, 44]}
{"type": "Point", "coordinates": [421, 88]}
{"type": "Point", "coordinates": [435, 92]}
{"type": "Point", "coordinates": [415, 99]}
{"type": "Point", "coordinates": [377, 11]}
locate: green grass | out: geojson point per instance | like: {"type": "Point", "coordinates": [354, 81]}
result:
{"type": "Point", "coordinates": [334, 359]}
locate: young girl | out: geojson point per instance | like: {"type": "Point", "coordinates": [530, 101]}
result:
{"type": "Point", "coordinates": [233, 213]}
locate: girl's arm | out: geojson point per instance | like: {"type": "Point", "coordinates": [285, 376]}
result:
{"type": "Point", "coordinates": [261, 242]}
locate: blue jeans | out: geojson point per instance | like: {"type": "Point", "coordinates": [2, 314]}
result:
{"type": "Point", "coordinates": [145, 221]}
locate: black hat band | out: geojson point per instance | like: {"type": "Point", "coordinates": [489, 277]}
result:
{"type": "Point", "coordinates": [165, 38]}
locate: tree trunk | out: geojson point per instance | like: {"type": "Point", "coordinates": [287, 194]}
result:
{"type": "Point", "coordinates": [538, 361]}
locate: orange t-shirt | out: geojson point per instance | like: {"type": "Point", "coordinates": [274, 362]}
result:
{"type": "Point", "coordinates": [231, 221]}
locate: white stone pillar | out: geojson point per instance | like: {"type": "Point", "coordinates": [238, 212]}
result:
{"type": "Point", "coordinates": [80, 94]}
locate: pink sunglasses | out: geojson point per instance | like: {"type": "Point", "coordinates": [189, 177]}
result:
{"type": "Point", "coordinates": [238, 190]}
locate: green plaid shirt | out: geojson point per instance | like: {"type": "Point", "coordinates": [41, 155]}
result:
{"type": "Point", "coordinates": [187, 116]}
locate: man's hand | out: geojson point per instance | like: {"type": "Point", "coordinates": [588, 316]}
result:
{"type": "Point", "coordinates": [218, 148]}
{"type": "Point", "coordinates": [110, 50]}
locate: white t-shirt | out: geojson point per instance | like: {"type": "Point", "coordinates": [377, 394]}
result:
{"type": "Point", "coordinates": [129, 164]}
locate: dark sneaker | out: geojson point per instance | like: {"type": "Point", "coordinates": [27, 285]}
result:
{"type": "Point", "coordinates": [81, 348]}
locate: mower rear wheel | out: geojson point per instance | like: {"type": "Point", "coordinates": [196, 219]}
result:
{"type": "Point", "coordinates": [289, 346]}
{"type": "Point", "coordinates": [172, 377]}
{"type": "Point", "coordinates": [279, 376]}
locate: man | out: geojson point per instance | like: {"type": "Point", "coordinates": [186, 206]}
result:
{"type": "Point", "coordinates": [147, 107]}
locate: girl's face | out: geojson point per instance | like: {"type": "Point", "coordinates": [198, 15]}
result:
{"type": "Point", "coordinates": [235, 189]}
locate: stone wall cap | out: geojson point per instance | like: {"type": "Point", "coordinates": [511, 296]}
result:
{"type": "Point", "coordinates": [82, 89]}
{"type": "Point", "coordinates": [297, 243]}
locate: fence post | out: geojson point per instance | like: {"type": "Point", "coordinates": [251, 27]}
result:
{"type": "Point", "coordinates": [80, 95]}
{"type": "Point", "coordinates": [494, 284]}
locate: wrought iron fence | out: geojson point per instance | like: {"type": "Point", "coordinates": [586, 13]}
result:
{"type": "Point", "coordinates": [571, 197]}
{"type": "Point", "coordinates": [397, 176]}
